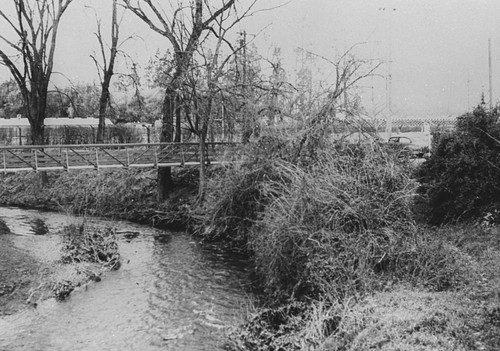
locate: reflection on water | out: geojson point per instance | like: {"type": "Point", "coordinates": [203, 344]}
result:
{"type": "Point", "coordinates": [38, 226]}
{"type": "Point", "coordinates": [4, 228]}
{"type": "Point", "coordinates": [171, 293]}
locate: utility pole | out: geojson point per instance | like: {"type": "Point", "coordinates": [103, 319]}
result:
{"type": "Point", "coordinates": [489, 74]}
{"type": "Point", "coordinates": [468, 94]}
{"type": "Point", "coordinates": [388, 80]}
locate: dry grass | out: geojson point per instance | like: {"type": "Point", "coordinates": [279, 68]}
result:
{"type": "Point", "coordinates": [344, 265]}
{"type": "Point", "coordinates": [119, 194]}
{"type": "Point", "coordinates": [406, 318]}
{"type": "Point", "coordinates": [403, 319]}
{"type": "Point", "coordinates": [328, 226]}
{"type": "Point", "coordinates": [410, 317]}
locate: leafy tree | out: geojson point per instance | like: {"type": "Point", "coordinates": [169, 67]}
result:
{"type": "Point", "coordinates": [11, 101]}
{"type": "Point", "coordinates": [77, 100]}
{"type": "Point", "coordinates": [461, 180]}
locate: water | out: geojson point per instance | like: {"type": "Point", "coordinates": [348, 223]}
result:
{"type": "Point", "coordinates": [171, 293]}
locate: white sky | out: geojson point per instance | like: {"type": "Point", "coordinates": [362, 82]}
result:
{"type": "Point", "coordinates": [438, 49]}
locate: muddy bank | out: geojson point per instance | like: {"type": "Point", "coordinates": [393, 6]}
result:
{"type": "Point", "coordinates": [130, 195]}
{"type": "Point", "coordinates": [19, 274]}
{"type": "Point", "coordinates": [42, 264]}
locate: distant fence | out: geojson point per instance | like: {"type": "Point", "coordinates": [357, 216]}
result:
{"type": "Point", "coordinates": [71, 135]}
{"type": "Point", "coordinates": [114, 134]}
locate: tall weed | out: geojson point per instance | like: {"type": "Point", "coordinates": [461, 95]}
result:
{"type": "Point", "coordinates": [326, 227]}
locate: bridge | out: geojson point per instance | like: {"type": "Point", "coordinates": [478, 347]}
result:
{"type": "Point", "coordinates": [100, 156]}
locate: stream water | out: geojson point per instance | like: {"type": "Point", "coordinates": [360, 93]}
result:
{"type": "Point", "coordinates": [171, 293]}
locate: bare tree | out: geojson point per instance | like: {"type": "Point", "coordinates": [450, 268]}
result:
{"type": "Point", "coordinates": [183, 28]}
{"type": "Point", "coordinates": [105, 66]}
{"type": "Point", "coordinates": [347, 71]}
{"type": "Point", "coordinates": [214, 66]}
{"type": "Point", "coordinates": [35, 30]}
{"type": "Point", "coordinates": [106, 69]}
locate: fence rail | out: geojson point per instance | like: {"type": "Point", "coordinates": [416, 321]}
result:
{"type": "Point", "coordinates": [99, 156]}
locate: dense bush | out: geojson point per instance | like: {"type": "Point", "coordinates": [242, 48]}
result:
{"type": "Point", "coordinates": [324, 231]}
{"type": "Point", "coordinates": [327, 227]}
{"type": "Point", "coordinates": [236, 199]}
{"type": "Point", "coordinates": [317, 227]}
{"type": "Point", "coordinates": [461, 179]}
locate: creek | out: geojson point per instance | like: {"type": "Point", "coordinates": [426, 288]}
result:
{"type": "Point", "coordinates": [170, 293]}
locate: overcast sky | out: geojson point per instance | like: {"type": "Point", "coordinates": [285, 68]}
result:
{"type": "Point", "coordinates": [438, 49]}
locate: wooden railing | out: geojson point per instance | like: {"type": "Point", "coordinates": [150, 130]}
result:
{"type": "Point", "coordinates": [98, 156]}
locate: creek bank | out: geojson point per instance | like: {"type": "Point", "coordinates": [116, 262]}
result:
{"type": "Point", "coordinates": [86, 252]}
{"type": "Point", "coordinates": [444, 268]}
{"type": "Point", "coordinates": [17, 276]}
{"type": "Point", "coordinates": [333, 234]}
{"type": "Point", "coordinates": [54, 266]}
{"type": "Point", "coordinates": [115, 194]}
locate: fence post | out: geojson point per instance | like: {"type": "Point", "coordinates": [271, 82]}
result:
{"type": "Point", "coordinates": [156, 156]}
{"type": "Point", "coordinates": [36, 160]}
{"type": "Point", "coordinates": [96, 159]}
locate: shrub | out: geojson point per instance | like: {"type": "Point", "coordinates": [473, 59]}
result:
{"type": "Point", "coordinates": [315, 223]}
{"type": "Point", "coordinates": [236, 198]}
{"type": "Point", "coordinates": [328, 226]}
{"type": "Point", "coordinates": [461, 179]}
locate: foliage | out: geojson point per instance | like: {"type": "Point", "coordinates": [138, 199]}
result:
{"type": "Point", "coordinates": [415, 319]}
{"type": "Point", "coordinates": [83, 98]}
{"type": "Point", "coordinates": [328, 225]}
{"type": "Point", "coordinates": [295, 326]}
{"type": "Point", "coordinates": [460, 180]}
{"type": "Point", "coordinates": [313, 227]}
{"type": "Point", "coordinates": [11, 101]}
{"type": "Point", "coordinates": [235, 198]}
{"type": "Point", "coordinates": [325, 223]}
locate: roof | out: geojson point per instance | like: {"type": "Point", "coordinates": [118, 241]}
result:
{"type": "Point", "coordinates": [53, 122]}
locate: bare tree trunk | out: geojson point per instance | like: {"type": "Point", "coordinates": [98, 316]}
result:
{"type": "Point", "coordinates": [108, 70]}
{"type": "Point", "coordinates": [165, 181]}
{"type": "Point", "coordinates": [36, 114]}
{"type": "Point", "coordinates": [37, 134]}
{"type": "Point", "coordinates": [38, 137]}
{"type": "Point", "coordinates": [178, 111]}
{"type": "Point", "coordinates": [202, 177]}
{"type": "Point", "coordinates": [103, 103]}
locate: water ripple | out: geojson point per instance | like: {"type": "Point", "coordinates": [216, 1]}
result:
{"type": "Point", "coordinates": [170, 293]}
